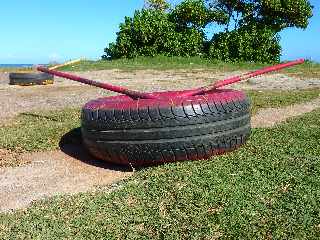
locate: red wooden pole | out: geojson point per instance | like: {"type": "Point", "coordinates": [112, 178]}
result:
{"type": "Point", "coordinates": [245, 76]}
{"type": "Point", "coordinates": [131, 93]}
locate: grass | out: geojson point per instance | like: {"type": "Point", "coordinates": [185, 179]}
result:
{"type": "Point", "coordinates": [269, 189]}
{"type": "Point", "coordinates": [304, 71]}
{"type": "Point", "coordinates": [159, 63]}
{"type": "Point", "coordinates": [42, 131]}
{"type": "Point", "coordinates": [38, 131]}
{"type": "Point", "coordinates": [275, 99]}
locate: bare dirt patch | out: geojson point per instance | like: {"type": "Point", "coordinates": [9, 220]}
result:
{"type": "Point", "coordinates": [269, 117]}
{"type": "Point", "coordinates": [54, 173]}
{"type": "Point", "coordinates": [4, 77]}
{"type": "Point", "coordinates": [11, 158]}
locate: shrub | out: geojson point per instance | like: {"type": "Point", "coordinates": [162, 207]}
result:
{"type": "Point", "coordinates": [249, 43]}
{"type": "Point", "coordinates": [149, 33]}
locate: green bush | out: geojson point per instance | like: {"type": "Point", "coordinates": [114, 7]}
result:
{"type": "Point", "coordinates": [180, 31]}
{"type": "Point", "coordinates": [248, 43]}
{"type": "Point", "coordinates": [150, 33]}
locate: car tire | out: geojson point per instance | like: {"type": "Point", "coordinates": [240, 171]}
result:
{"type": "Point", "coordinates": [172, 128]}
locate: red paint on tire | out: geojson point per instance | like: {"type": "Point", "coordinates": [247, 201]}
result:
{"type": "Point", "coordinates": [170, 98]}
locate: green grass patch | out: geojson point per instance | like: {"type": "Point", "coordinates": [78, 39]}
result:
{"type": "Point", "coordinates": [269, 189]}
{"type": "Point", "coordinates": [41, 131]}
{"type": "Point", "coordinates": [38, 131]}
{"type": "Point", "coordinates": [160, 63]}
{"type": "Point", "coordinates": [275, 99]}
{"type": "Point", "coordinates": [304, 71]}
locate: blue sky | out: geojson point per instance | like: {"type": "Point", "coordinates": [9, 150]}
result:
{"type": "Point", "coordinates": [40, 31]}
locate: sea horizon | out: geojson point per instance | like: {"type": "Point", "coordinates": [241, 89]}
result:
{"type": "Point", "coordinates": [21, 65]}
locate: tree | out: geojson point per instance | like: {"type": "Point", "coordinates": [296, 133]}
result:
{"type": "Point", "coordinates": [195, 13]}
{"type": "Point", "coordinates": [156, 4]}
{"type": "Point", "coordinates": [282, 14]}
{"type": "Point", "coordinates": [276, 14]}
{"type": "Point", "coordinates": [252, 28]}
{"type": "Point", "coordinates": [251, 32]}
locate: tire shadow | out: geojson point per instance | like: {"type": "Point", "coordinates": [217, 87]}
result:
{"type": "Point", "coordinates": [71, 144]}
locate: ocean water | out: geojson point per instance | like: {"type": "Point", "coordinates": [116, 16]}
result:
{"type": "Point", "coordinates": [15, 65]}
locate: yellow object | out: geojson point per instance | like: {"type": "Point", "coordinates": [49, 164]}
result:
{"type": "Point", "coordinates": [25, 71]}
{"type": "Point", "coordinates": [66, 63]}
{"type": "Point", "coordinates": [47, 82]}
{"type": "Point", "coordinates": [44, 82]}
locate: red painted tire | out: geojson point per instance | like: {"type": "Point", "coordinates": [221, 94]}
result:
{"type": "Point", "coordinates": [149, 132]}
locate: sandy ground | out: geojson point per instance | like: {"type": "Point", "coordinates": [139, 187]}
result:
{"type": "Point", "coordinates": [72, 170]}
{"type": "Point", "coordinates": [269, 117]}
{"type": "Point", "coordinates": [55, 173]}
